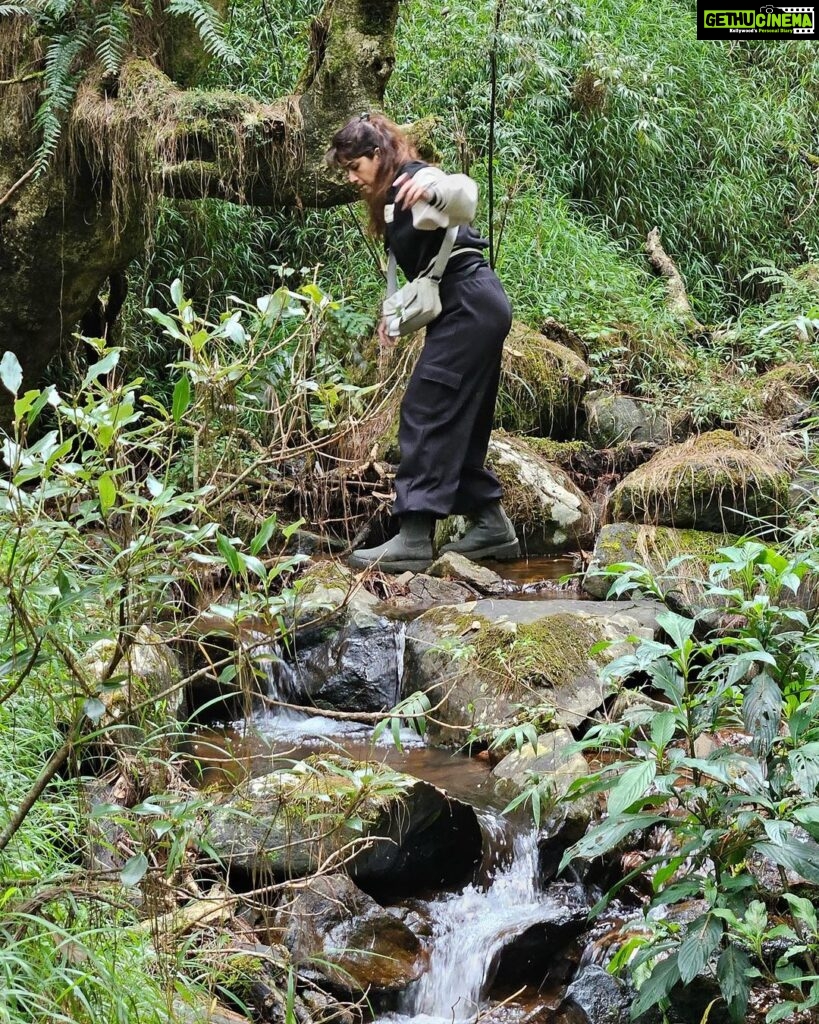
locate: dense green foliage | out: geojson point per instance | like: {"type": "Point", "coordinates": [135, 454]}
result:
{"type": "Point", "coordinates": [607, 123]}
{"type": "Point", "coordinates": [729, 769]}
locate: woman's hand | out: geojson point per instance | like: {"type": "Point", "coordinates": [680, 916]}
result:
{"type": "Point", "coordinates": [409, 191]}
{"type": "Point", "coordinates": [383, 337]}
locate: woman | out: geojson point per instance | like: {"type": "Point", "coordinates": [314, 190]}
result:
{"type": "Point", "coordinates": [447, 410]}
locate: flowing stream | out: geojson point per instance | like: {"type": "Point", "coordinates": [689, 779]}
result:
{"type": "Point", "coordinates": [471, 927]}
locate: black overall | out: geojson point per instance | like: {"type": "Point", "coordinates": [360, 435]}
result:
{"type": "Point", "coordinates": [449, 404]}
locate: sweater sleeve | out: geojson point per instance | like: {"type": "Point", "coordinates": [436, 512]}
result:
{"type": "Point", "coordinates": [454, 200]}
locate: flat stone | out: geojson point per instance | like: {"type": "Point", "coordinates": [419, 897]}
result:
{"type": "Point", "coordinates": [452, 565]}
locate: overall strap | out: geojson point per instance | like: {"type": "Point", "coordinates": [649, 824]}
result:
{"type": "Point", "coordinates": [435, 272]}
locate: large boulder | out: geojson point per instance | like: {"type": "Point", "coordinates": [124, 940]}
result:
{"type": "Point", "coordinates": [711, 482]}
{"type": "Point", "coordinates": [482, 662]}
{"type": "Point", "coordinates": [380, 825]}
{"type": "Point", "coordinates": [682, 585]}
{"type": "Point", "coordinates": [354, 669]}
{"type": "Point", "coordinates": [550, 513]}
{"type": "Point", "coordinates": [138, 704]}
{"type": "Point", "coordinates": [542, 385]}
{"type": "Point", "coordinates": [340, 937]}
{"type": "Point", "coordinates": [612, 419]}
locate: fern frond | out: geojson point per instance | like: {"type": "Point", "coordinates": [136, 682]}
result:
{"type": "Point", "coordinates": [112, 32]}
{"type": "Point", "coordinates": [208, 25]}
{"type": "Point", "coordinates": [10, 10]}
{"type": "Point", "coordinates": [60, 87]}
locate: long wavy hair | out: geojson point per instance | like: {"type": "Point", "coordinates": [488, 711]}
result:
{"type": "Point", "coordinates": [362, 136]}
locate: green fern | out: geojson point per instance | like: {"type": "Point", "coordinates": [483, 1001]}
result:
{"type": "Point", "coordinates": [112, 30]}
{"type": "Point", "coordinates": [78, 33]}
{"type": "Point", "coordinates": [208, 24]}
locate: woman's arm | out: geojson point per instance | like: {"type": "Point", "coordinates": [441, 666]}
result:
{"type": "Point", "coordinates": [438, 200]}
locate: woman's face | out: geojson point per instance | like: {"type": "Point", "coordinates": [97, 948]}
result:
{"type": "Point", "coordinates": [362, 171]}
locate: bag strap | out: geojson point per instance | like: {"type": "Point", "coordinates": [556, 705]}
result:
{"type": "Point", "coordinates": [435, 273]}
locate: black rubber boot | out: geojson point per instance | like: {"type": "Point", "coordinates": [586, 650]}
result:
{"type": "Point", "coordinates": [410, 550]}
{"type": "Point", "coordinates": [492, 535]}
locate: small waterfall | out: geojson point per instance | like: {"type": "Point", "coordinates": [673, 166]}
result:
{"type": "Point", "coordinates": [282, 682]}
{"type": "Point", "coordinates": [471, 927]}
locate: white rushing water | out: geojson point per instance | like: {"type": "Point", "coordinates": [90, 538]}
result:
{"type": "Point", "coordinates": [307, 728]}
{"type": "Point", "coordinates": [470, 928]}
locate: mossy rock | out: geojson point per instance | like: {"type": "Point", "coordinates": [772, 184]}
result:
{"type": "Point", "coordinates": [785, 392]}
{"type": "Point", "coordinates": [612, 419]}
{"type": "Point", "coordinates": [550, 513]}
{"type": "Point", "coordinates": [542, 385]}
{"type": "Point", "coordinates": [711, 482]}
{"type": "Point", "coordinates": [365, 818]}
{"type": "Point", "coordinates": [683, 585]}
{"type": "Point", "coordinates": [486, 663]}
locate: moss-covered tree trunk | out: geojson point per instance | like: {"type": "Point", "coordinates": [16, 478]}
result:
{"type": "Point", "coordinates": [64, 233]}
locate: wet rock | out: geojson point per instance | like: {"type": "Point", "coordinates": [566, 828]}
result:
{"type": "Point", "coordinates": [550, 513]}
{"type": "Point", "coordinates": [711, 482]}
{"type": "Point", "coordinates": [612, 419]}
{"type": "Point", "coordinates": [356, 668]}
{"type": "Point", "coordinates": [599, 997]}
{"type": "Point", "coordinates": [422, 591]}
{"type": "Point", "coordinates": [542, 385]}
{"type": "Point", "coordinates": [383, 827]}
{"type": "Point", "coordinates": [545, 951]}
{"type": "Point", "coordinates": [327, 595]}
{"type": "Point", "coordinates": [341, 938]}
{"type": "Point", "coordinates": [654, 547]}
{"type": "Point", "coordinates": [453, 566]}
{"type": "Point", "coordinates": [483, 661]}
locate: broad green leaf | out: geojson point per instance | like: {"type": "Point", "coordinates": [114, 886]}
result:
{"type": "Point", "coordinates": [102, 368]}
{"type": "Point", "coordinates": [177, 292]}
{"type": "Point", "coordinates": [678, 627]}
{"type": "Point", "coordinates": [804, 762]}
{"type": "Point", "coordinates": [808, 817]}
{"type": "Point", "coordinates": [702, 939]}
{"type": "Point", "coordinates": [631, 785]}
{"type": "Point", "coordinates": [762, 711]}
{"type": "Point", "coordinates": [800, 856]}
{"type": "Point", "coordinates": [107, 490]}
{"type": "Point", "coordinates": [605, 836]}
{"type": "Point", "coordinates": [663, 727]}
{"type": "Point", "coordinates": [134, 869]}
{"type": "Point", "coordinates": [181, 397]}
{"type": "Point", "coordinates": [11, 373]}
{"type": "Point", "coordinates": [803, 909]}
{"type": "Point", "coordinates": [266, 531]}
{"type": "Point", "coordinates": [168, 323]}
{"type": "Point", "coordinates": [664, 976]}
{"type": "Point", "coordinates": [734, 977]}
{"type": "Point", "coordinates": [229, 553]}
